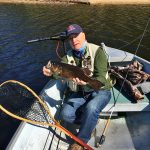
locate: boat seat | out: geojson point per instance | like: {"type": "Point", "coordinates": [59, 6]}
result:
{"type": "Point", "coordinates": [125, 103]}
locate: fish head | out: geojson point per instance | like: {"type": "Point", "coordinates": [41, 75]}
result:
{"type": "Point", "coordinates": [53, 67]}
{"type": "Point", "coordinates": [49, 64]}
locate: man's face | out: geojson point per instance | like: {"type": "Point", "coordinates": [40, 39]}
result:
{"type": "Point", "coordinates": [77, 40]}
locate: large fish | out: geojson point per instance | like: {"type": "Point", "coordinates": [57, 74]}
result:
{"type": "Point", "coordinates": [69, 72]}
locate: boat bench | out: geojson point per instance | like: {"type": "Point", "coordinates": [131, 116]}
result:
{"type": "Point", "coordinates": [124, 103]}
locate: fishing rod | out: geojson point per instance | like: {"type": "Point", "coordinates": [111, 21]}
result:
{"type": "Point", "coordinates": [62, 36]}
{"type": "Point", "coordinates": [103, 136]}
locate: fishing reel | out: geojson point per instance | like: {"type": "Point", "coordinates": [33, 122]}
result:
{"type": "Point", "coordinates": [62, 36]}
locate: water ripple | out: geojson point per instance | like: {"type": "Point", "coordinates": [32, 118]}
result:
{"type": "Point", "coordinates": [116, 26]}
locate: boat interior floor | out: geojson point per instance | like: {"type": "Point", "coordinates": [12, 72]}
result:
{"type": "Point", "coordinates": [124, 133]}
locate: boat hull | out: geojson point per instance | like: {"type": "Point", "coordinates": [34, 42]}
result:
{"type": "Point", "coordinates": [127, 132]}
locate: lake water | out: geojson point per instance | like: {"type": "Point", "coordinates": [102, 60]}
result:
{"type": "Point", "coordinates": [114, 25]}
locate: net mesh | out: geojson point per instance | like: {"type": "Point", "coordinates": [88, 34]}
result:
{"type": "Point", "coordinates": [20, 101]}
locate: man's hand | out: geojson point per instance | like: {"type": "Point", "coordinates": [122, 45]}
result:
{"type": "Point", "coordinates": [78, 81]}
{"type": "Point", "coordinates": [47, 72]}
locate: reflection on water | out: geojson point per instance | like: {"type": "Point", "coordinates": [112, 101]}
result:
{"type": "Point", "coordinates": [116, 26]}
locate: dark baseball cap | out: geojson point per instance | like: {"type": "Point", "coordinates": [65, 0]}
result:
{"type": "Point", "coordinates": [73, 29]}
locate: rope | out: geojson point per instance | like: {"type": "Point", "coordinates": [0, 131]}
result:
{"type": "Point", "coordinates": [58, 44]}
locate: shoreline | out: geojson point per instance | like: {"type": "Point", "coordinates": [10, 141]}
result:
{"type": "Point", "coordinates": [77, 1]}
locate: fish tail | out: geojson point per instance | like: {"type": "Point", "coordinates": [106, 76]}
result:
{"type": "Point", "coordinates": [95, 84]}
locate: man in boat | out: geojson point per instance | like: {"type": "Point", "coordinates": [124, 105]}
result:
{"type": "Point", "coordinates": [84, 104]}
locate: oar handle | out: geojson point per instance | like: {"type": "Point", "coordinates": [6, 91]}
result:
{"type": "Point", "coordinates": [101, 141]}
{"type": "Point", "coordinates": [102, 138]}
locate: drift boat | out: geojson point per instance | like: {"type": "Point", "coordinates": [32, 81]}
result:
{"type": "Point", "coordinates": [129, 125]}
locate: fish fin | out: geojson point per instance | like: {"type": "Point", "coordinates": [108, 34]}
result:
{"type": "Point", "coordinates": [95, 84]}
{"type": "Point", "coordinates": [48, 66]}
{"type": "Point", "coordinates": [87, 71]}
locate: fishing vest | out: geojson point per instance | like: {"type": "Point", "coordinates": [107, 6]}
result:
{"type": "Point", "coordinates": [87, 62]}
